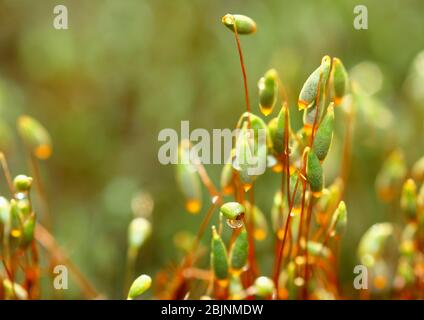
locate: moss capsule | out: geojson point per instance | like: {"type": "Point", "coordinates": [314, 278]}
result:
{"type": "Point", "coordinates": [340, 81]}
{"type": "Point", "coordinates": [35, 136]}
{"type": "Point", "coordinates": [267, 86]}
{"type": "Point", "coordinates": [232, 210]}
{"type": "Point", "coordinates": [139, 286]}
{"type": "Point", "coordinates": [239, 252]}
{"type": "Point", "coordinates": [314, 172]}
{"type": "Point", "coordinates": [324, 134]}
{"type": "Point", "coordinates": [244, 24]}
{"type": "Point", "coordinates": [219, 260]}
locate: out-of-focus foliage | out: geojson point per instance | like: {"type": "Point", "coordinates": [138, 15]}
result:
{"type": "Point", "coordinates": [124, 70]}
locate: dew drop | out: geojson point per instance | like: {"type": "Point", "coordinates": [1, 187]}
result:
{"type": "Point", "coordinates": [235, 223]}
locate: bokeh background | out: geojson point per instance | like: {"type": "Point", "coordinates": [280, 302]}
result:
{"type": "Point", "coordinates": [124, 70]}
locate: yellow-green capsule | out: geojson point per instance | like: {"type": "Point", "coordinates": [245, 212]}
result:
{"type": "Point", "coordinates": [309, 90]}
{"type": "Point", "coordinates": [408, 200]}
{"type": "Point", "coordinates": [4, 211]}
{"type": "Point", "coordinates": [340, 81]}
{"type": "Point", "coordinates": [28, 229]}
{"type": "Point", "coordinates": [139, 230]}
{"type": "Point", "coordinates": [139, 286]}
{"type": "Point", "coordinates": [391, 175]}
{"type": "Point", "coordinates": [232, 210]}
{"type": "Point", "coordinates": [239, 252]}
{"type": "Point", "coordinates": [188, 179]}
{"type": "Point", "coordinates": [267, 86]}
{"type": "Point", "coordinates": [35, 136]}
{"type": "Point", "coordinates": [244, 24]}
{"type": "Point", "coordinates": [324, 134]}
{"type": "Point", "coordinates": [314, 172]}
{"type": "Point", "coordinates": [339, 220]}
{"type": "Point", "coordinates": [22, 183]}
{"type": "Point", "coordinates": [418, 170]}
{"type": "Point", "coordinates": [264, 287]}
{"type": "Point", "coordinates": [219, 260]}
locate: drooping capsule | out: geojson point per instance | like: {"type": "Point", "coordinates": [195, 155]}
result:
{"type": "Point", "coordinates": [35, 136]}
{"type": "Point", "coordinates": [268, 91]}
{"type": "Point", "coordinates": [188, 179]}
{"type": "Point", "coordinates": [239, 253]}
{"type": "Point", "coordinates": [314, 172]}
{"type": "Point", "coordinates": [139, 230]}
{"type": "Point", "coordinates": [324, 135]}
{"type": "Point", "coordinates": [232, 210]}
{"type": "Point", "coordinates": [339, 220]}
{"type": "Point", "coordinates": [264, 287]}
{"type": "Point", "coordinates": [340, 81]}
{"type": "Point", "coordinates": [408, 200]}
{"type": "Point", "coordinates": [244, 24]}
{"type": "Point", "coordinates": [391, 176]}
{"type": "Point", "coordinates": [219, 260]}
{"type": "Point", "coordinates": [139, 286]}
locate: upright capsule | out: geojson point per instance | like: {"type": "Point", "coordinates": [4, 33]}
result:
{"type": "Point", "coordinates": [339, 220]}
{"type": "Point", "coordinates": [139, 286]}
{"type": "Point", "coordinates": [340, 81]}
{"type": "Point", "coordinates": [219, 260]}
{"type": "Point", "coordinates": [239, 252]}
{"type": "Point", "coordinates": [244, 24]}
{"type": "Point", "coordinates": [314, 172]}
{"type": "Point", "coordinates": [324, 134]}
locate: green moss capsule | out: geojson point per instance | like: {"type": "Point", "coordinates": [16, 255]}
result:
{"type": "Point", "coordinates": [239, 252]}
{"type": "Point", "coordinates": [188, 179]}
{"type": "Point", "coordinates": [314, 172]}
{"type": "Point", "coordinates": [28, 229]}
{"type": "Point", "coordinates": [244, 24]}
{"type": "Point", "coordinates": [278, 137]}
{"type": "Point", "coordinates": [139, 286]}
{"type": "Point", "coordinates": [219, 260]}
{"type": "Point", "coordinates": [339, 220]}
{"type": "Point", "coordinates": [340, 81]}
{"type": "Point", "coordinates": [22, 183]}
{"type": "Point", "coordinates": [35, 136]}
{"type": "Point", "coordinates": [309, 91]}
{"type": "Point", "coordinates": [232, 210]}
{"type": "Point", "coordinates": [324, 135]}
{"type": "Point", "coordinates": [264, 287]}
{"type": "Point", "coordinates": [408, 200]}
{"type": "Point", "coordinates": [267, 86]}
{"type": "Point", "coordinates": [139, 230]}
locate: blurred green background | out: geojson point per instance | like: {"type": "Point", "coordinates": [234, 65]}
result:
{"type": "Point", "coordinates": [124, 70]}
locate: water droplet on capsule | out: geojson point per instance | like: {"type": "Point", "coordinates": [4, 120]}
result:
{"type": "Point", "coordinates": [235, 223]}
